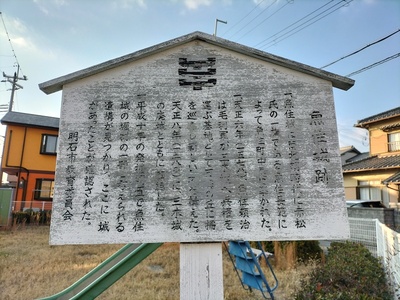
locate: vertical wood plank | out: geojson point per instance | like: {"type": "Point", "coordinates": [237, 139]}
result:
{"type": "Point", "coordinates": [201, 276]}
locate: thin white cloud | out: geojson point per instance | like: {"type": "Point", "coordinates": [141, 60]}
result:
{"type": "Point", "coordinates": [24, 42]}
{"type": "Point", "coordinates": [370, 1]}
{"type": "Point", "coordinates": [128, 4]}
{"type": "Point", "coordinates": [44, 5]}
{"type": "Point", "coordinates": [141, 3]}
{"type": "Point", "coordinates": [265, 3]}
{"type": "Point", "coordinates": [17, 26]}
{"type": "Point", "coordinates": [42, 8]}
{"type": "Point", "coordinates": [60, 2]}
{"type": "Point", "coordinates": [19, 35]}
{"type": "Point", "coordinates": [195, 4]}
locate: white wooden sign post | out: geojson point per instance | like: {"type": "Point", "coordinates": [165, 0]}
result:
{"type": "Point", "coordinates": [198, 140]}
{"type": "Point", "coordinates": [201, 274]}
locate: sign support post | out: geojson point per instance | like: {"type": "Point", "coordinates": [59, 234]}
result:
{"type": "Point", "coordinates": [201, 276]}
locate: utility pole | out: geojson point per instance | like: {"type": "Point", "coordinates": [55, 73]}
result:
{"type": "Point", "coordinates": [15, 86]}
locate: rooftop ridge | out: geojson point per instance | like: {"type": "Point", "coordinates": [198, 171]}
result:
{"type": "Point", "coordinates": [383, 115]}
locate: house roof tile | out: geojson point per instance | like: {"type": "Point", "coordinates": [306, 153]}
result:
{"type": "Point", "coordinates": [19, 118]}
{"type": "Point", "coordinates": [358, 157]}
{"type": "Point", "coordinates": [390, 127]}
{"type": "Point", "coordinates": [373, 163]}
{"type": "Point", "coordinates": [395, 178]}
{"type": "Point", "coordinates": [346, 149]}
{"type": "Point", "coordinates": [378, 117]}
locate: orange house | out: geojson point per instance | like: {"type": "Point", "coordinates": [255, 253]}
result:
{"type": "Point", "coordinates": [29, 158]}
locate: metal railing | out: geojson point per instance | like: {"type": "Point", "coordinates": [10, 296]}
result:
{"type": "Point", "coordinates": [363, 231]}
{"type": "Point", "coordinates": [388, 248]}
{"type": "Point", "coordinates": [34, 205]}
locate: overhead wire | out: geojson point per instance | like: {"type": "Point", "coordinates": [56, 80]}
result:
{"type": "Point", "coordinates": [285, 35]}
{"type": "Point", "coordinates": [9, 40]}
{"type": "Point", "coordinates": [353, 134]}
{"type": "Point", "coordinates": [249, 13]}
{"type": "Point", "coordinates": [293, 24]}
{"type": "Point", "coordinates": [306, 24]}
{"type": "Point", "coordinates": [252, 20]}
{"type": "Point", "coordinates": [300, 28]}
{"type": "Point", "coordinates": [363, 48]}
{"type": "Point", "coordinates": [374, 65]}
{"type": "Point", "coordinates": [283, 6]}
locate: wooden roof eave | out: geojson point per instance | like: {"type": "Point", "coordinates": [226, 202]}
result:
{"type": "Point", "coordinates": [371, 169]}
{"type": "Point", "coordinates": [57, 84]}
{"type": "Point", "coordinates": [368, 123]}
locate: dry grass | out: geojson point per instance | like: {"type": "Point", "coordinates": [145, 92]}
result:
{"type": "Point", "coordinates": [30, 269]}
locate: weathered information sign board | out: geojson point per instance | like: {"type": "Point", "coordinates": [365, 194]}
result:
{"type": "Point", "coordinates": [197, 143]}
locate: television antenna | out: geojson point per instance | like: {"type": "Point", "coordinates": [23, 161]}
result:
{"type": "Point", "coordinates": [216, 25]}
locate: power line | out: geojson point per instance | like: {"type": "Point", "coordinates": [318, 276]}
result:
{"type": "Point", "coordinates": [365, 47]}
{"type": "Point", "coordinates": [237, 23]}
{"type": "Point", "coordinates": [374, 65]}
{"type": "Point", "coordinates": [253, 19]}
{"type": "Point", "coordinates": [9, 40]}
{"type": "Point", "coordinates": [292, 24]}
{"type": "Point", "coordinates": [287, 2]}
{"type": "Point", "coordinates": [13, 79]}
{"type": "Point", "coordinates": [285, 36]}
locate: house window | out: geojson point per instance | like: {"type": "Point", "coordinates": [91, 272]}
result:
{"type": "Point", "coordinates": [371, 190]}
{"type": "Point", "coordinates": [44, 189]}
{"type": "Point", "coordinates": [394, 142]}
{"type": "Point", "coordinates": [49, 144]}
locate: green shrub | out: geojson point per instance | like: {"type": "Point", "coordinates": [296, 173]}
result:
{"type": "Point", "coordinates": [30, 217]}
{"type": "Point", "coordinates": [305, 250]}
{"type": "Point", "coordinates": [350, 273]}
{"type": "Point", "coordinates": [308, 250]}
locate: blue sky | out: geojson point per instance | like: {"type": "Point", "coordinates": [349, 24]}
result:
{"type": "Point", "coordinates": [52, 38]}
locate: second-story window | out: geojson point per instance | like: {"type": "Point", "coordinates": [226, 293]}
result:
{"type": "Point", "coordinates": [49, 144]}
{"type": "Point", "coordinates": [394, 142]}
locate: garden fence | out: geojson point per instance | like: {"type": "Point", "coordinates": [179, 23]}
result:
{"type": "Point", "coordinates": [31, 205]}
{"type": "Point", "coordinates": [382, 242]}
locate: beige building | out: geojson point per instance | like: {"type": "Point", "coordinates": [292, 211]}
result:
{"type": "Point", "coordinates": [376, 176]}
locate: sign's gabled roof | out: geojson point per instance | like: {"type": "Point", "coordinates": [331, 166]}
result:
{"type": "Point", "coordinates": [56, 84]}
